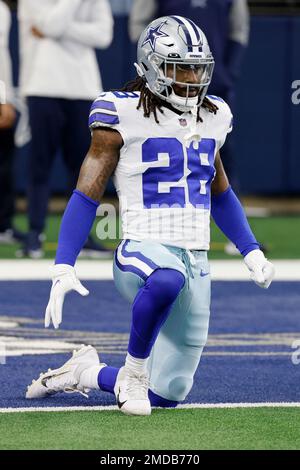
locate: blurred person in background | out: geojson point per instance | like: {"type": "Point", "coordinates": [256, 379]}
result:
{"type": "Point", "coordinates": [59, 77]}
{"type": "Point", "coordinates": [226, 26]}
{"type": "Point", "coordinates": [8, 234]}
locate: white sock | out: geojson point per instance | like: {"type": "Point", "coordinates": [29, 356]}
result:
{"type": "Point", "coordinates": [89, 377]}
{"type": "Point", "coordinates": [136, 365]}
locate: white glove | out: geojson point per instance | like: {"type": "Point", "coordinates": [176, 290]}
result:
{"type": "Point", "coordinates": [261, 270]}
{"type": "Point", "coordinates": [64, 280]}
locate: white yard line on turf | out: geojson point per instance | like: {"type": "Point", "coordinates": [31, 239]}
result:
{"type": "Point", "coordinates": [181, 407]}
{"type": "Point", "coordinates": [221, 270]}
{"type": "Point", "coordinates": [38, 270]}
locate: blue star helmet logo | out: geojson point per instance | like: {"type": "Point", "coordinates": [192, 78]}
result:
{"type": "Point", "coordinates": [153, 34]}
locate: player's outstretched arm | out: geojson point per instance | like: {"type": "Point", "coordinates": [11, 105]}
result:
{"type": "Point", "coordinates": [230, 217]}
{"type": "Point", "coordinates": [80, 213]}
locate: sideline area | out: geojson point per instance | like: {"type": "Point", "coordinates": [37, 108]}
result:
{"type": "Point", "coordinates": [221, 270]}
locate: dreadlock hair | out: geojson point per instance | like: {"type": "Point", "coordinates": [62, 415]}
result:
{"type": "Point", "coordinates": [151, 103]}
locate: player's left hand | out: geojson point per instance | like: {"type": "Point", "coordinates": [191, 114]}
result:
{"type": "Point", "coordinates": [261, 270]}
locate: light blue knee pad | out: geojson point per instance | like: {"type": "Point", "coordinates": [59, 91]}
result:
{"type": "Point", "coordinates": [179, 387]}
{"type": "Point", "coordinates": [174, 379]}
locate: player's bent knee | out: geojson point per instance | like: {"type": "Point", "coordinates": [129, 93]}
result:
{"type": "Point", "coordinates": [179, 388]}
{"type": "Point", "coordinates": [172, 375]}
{"type": "Point", "coordinates": [168, 282]}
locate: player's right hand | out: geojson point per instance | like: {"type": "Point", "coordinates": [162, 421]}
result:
{"type": "Point", "coordinates": [64, 280]}
{"type": "Point", "coordinates": [261, 270]}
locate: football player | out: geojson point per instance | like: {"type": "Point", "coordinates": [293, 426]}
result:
{"type": "Point", "coordinates": [160, 138]}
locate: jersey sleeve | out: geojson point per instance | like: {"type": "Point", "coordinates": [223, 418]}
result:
{"type": "Point", "coordinates": [106, 111]}
{"type": "Point", "coordinates": [225, 119]}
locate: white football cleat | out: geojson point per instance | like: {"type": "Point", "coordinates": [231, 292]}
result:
{"type": "Point", "coordinates": [131, 391]}
{"type": "Point", "coordinates": [67, 377]}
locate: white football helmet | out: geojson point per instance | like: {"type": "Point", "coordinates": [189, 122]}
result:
{"type": "Point", "coordinates": [166, 45]}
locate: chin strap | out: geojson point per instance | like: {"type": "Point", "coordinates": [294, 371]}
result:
{"type": "Point", "coordinates": [193, 134]}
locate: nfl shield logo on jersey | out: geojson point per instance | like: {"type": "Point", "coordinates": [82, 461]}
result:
{"type": "Point", "coordinates": [183, 122]}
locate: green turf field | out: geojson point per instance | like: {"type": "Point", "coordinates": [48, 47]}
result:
{"type": "Point", "coordinates": [279, 234]}
{"type": "Point", "coordinates": [188, 429]}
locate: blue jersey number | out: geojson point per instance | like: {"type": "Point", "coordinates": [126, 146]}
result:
{"type": "Point", "coordinates": [161, 184]}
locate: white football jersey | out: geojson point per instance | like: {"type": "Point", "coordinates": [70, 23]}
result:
{"type": "Point", "coordinates": [163, 178]}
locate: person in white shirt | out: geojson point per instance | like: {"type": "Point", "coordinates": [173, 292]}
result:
{"type": "Point", "coordinates": [8, 234]}
{"type": "Point", "coordinates": [59, 77]}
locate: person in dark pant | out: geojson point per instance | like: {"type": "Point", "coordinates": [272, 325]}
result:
{"type": "Point", "coordinates": [59, 78]}
{"type": "Point", "coordinates": [49, 120]}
